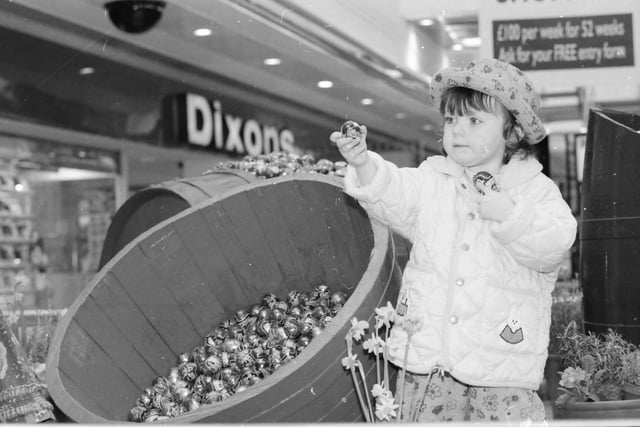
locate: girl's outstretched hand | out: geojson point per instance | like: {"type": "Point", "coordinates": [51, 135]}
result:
{"type": "Point", "coordinates": [353, 149]}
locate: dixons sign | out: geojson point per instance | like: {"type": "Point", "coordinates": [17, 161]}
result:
{"type": "Point", "coordinates": [202, 122]}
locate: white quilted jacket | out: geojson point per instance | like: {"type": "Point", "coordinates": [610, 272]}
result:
{"type": "Point", "coordinates": [481, 288]}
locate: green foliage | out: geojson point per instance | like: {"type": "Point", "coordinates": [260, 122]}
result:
{"type": "Point", "coordinates": [566, 308]}
{"type": "Point", "coordinates": [631, 368]}
{"type": "Point", "coordinates": [594, 364]}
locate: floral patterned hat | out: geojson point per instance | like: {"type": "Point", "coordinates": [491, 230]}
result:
{"type": "Point", "coordinates": [501, 80]}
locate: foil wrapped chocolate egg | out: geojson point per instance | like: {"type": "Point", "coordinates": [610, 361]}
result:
{"type": "Point", "coordinates": [212, 365]}
{"type": "Point", "coordinates": [203, 383]}
{"type": "Point", "coordinates": [170, 410]}
{"type": "Point", "coordinates": [254, 310]}
{"type": "Point", "coordinates": [182, 394]}
{"type": "Point", "coordinates": [236, 332]}
{"type": "Point", "coordinates": [188, 371]}
{"type": "Point", "coordinates": [304, 328]}
{"type": "Point", "coordinates": [184, 357]}
{"type": "Point", "coordinates": [294, 298]}
{"type": "Point", "coordinates": [193, 404]}
{"type": "Point", "coordinates": [269, 299]}
{"type": "Point", "coordinates": [263, 327]}
{"type": "Point", "coordinates": [264, 314]}
{"type": "Point", "coordinates": [291, 330]}
{"type": "Point", "coordinates": [160, 384]}
{"type": "Point", "coordinates": [351, 129]}
{"type": "Point", "coordinates": [277, 316]}
{"type": "Point", "coordinates": [245, 359]}
{"type": "Point", "coordinates": [281, 305]}
{"type": "Point", "coordinates": [295, 311]}
{"type": "Point", "coordinates": [241, 316]}
{"type": "Point", "coordinates": [319, 312]}
{"type": "Point", "coordinates": [324, 322]}
{"type": "Point", "coordinates": [138, 414]}
{"type": "Point", "coordinates": [483, 180]}
{"type": "Point", "coordinates": [252, 339]}
{"type": "Point", "coordinates": [144, 400]}
{"type": "Point", "coordinates": [304, 341]}
{"type": "Point", "coordinates": [231, 345]}
{"type": "Point", "coordinates": [338, 298]}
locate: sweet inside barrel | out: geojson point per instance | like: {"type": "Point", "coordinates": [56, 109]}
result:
{"type": "Point", "coordinates": [610, 224]}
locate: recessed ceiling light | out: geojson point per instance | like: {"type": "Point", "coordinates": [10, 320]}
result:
{"type": "Point", "coordinates": [457, 47]}
{"type": "Point", "coordinates": [272, 61]}
{"type": "Point", "coordinates": [393, 73]}
{"type": "Point", "coordinates": [472, 42]}
{"type": "Point", "coordinates": [202, 32]}
{"type": "Point", "coordinates": [366, 101]}
{"type": "Point", "coordinates": [426, 22]}
{"type": "Point", "coordinates": [325, 84]}
{"type": "Point", "coordinates": [85, 71]}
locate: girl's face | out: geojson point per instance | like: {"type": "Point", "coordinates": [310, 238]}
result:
{"type": "Point", "coordinates": [475, 139]}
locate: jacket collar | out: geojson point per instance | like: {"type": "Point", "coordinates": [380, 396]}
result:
{"type": "Point", "coordinates": [514, 173]}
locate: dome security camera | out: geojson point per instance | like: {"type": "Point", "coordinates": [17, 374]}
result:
{"type": "Point", "coordinates": [133, 16]}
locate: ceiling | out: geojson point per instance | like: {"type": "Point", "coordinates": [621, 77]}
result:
{"type": "Point", "coordinates": [244, 34]}
{"type": "Point", "coordinates": [364, 47]}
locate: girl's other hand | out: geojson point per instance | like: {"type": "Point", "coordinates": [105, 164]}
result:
{"type": "Point", "coordinates": [494, 205]}
{"type": "Point", "coordinates": [354, 150]}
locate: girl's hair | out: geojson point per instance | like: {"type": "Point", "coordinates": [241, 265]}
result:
{"type": "Point", "coordinates": [459, 101]}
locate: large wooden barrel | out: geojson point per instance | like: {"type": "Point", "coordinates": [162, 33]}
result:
{"type": "Point", "coordinates": [165, 290]}
{"type": "Point", "coordinates": [610, 224]}
{"type": "Point", "coordinates": [158, 202]}
{"type": "Point", "coordinates": [154, 204]}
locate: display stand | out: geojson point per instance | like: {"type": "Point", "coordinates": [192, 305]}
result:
{"type": "Point", "coordinates": [16, 240]}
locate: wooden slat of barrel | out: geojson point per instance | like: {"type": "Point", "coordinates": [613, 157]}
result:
{"type": "Point", "coordinates": [156, 203]}
{"type": "Point", "coordinates": [326, 213]}
{"type": "Point", "coordinates": [210, 257]}
{"type": "Point", "coordinates": [171, 259]}
{"type": "Point", "coordinates": [113, 300]}
{"type": "Point", "coordinates": [115, 344]}
{"type": "Point", "coordinates": [267, 208]}
{"type": "Point", "coordinates": [152, 294]}
{"type": "Point", "coordinates": [82, 358]}
{"type": "Point", "coordinates": [90, 405]}
{"type": "Point", "coordinates": [260, 256]}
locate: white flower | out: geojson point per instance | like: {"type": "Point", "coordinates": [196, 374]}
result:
{"type": "Point", "coordinates": [350, 362]}
{"type": "Point", "coordinates": [385, 315]}
{"type": "Point", "coordinates": [358, 328]}
{"type": "Point", "coordinates": [374, 345]}
{"type": "Point", "coordinates": [386, 407]}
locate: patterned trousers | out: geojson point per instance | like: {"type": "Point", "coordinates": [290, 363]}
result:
{"type": "Point", "coordinates": [440, 397]}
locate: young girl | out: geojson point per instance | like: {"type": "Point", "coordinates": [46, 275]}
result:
{"type": "Point", "coordinates": [489, 231]}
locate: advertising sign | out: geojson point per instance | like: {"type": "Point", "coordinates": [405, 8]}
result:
{"type": "Point", "coordinates": [564, 42]}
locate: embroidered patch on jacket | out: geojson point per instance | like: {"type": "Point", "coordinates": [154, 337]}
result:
{"type": "Point", "coordinates": [512, 333]}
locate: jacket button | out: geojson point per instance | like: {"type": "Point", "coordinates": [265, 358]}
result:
{"type": "Point", "coordinates": [460, 282]}
{"type": "Point", "coordinates": [464, 247]}
{"type": "Point", "coordinates": [453, 319]}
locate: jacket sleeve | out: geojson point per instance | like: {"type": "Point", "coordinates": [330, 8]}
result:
{"type": "Point", "coordinates": [391, 198]}
{"type": "Point", "coordinates": [541, 227]}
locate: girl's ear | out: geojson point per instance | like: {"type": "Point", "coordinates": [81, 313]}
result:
{"type": "Point", "coordinates": [517, 132]}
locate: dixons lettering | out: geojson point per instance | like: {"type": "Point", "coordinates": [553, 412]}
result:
{"type": "Point", "coordinates": [206, 124]}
